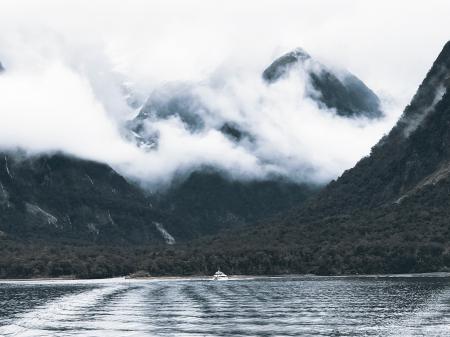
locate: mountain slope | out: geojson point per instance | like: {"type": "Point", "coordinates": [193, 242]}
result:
{"type": "Point", "coordinates": [341, 91]}
{"type": "Point", "coordinates": [59, 198]}
{"type": "Point", "coordinates": [207, 201]}
{"type": "Point", "coordinates": [388, 214]}
{"type": "Point", "coordinates": [415, 153]}
{"type": "Point", "coordinates": [206, 198]}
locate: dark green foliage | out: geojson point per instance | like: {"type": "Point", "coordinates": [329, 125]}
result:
{"type": "Point", "coordinates": [60, 198]}
{"type": "Point", "coordinates": [207, 201]}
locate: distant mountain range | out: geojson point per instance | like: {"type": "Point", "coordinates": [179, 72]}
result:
{"type": "Point", "coordinates": [58, 198]}
{"type": "Point", "coordinates": [388, 214]}
{"type": "Point", "coordinates": [337, 90]}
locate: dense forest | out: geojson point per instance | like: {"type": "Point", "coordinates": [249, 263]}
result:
{"type": "Point", "coordinates": [413, 236]}
{"type": "Point", "coordinates": [400, 239]}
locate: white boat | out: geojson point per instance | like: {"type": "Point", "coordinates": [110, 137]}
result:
{"type": "Point", "coordinates": [219, 276]}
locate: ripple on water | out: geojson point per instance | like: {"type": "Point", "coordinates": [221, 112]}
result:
{"type": "Point", "coordinates": [309, 306]}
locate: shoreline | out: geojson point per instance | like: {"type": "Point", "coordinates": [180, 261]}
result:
{"type": "Point", "coordinates": [231, 277]}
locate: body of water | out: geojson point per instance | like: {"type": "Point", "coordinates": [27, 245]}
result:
{"type": "Point", "coordinates": [291, 306]}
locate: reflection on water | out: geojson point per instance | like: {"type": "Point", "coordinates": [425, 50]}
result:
{"type": "Point", "coordinates": [303, 306]}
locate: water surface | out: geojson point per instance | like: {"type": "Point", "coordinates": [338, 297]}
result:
{"type": "Point", "coordinates": [294, 306]}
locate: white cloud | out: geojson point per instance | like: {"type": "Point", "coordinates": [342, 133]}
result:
{"type": "Point", "coordinates": [67, 62]}
{"type": "Point", "coordinates": [53, 109]}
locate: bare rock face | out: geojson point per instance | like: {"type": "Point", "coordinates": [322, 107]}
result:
{"type": "Point", "coordinates": [339, 90]}
{"type": "Point", "coordinates": [282, 65]}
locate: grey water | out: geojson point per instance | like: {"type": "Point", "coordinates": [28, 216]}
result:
{"type": "Point", "coordinates": [290, 306]}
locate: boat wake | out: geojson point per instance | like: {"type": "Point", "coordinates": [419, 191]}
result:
{"type": "Point", "coordinates": [261, 307]}
{"type": "Point", "coordinates": [63, 314]}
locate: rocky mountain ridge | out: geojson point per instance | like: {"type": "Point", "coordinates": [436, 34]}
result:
{"type": "Point", "coordinates": [334, 89]}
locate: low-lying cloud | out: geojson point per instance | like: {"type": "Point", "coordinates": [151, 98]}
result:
{"type": "Point", "coordinates": [73, 87]}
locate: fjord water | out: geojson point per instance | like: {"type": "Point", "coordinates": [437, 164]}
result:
{"type": "Point", "coordinates": [291, 306]}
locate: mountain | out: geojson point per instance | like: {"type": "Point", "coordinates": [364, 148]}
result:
{"type": "Point", "coordinates": [339, 90]}
{"type": "Point", "coordinates": [58, 198]}
{"type": "Point", "coordinates": [61, 215]}
{"type": "Point", "coordinates": [182, 101]}
{"type": "Point", "coordinates": [388, 214]}
{"type": "Point", "coordinates": [332, 89]}
{"type": "Point", "coordinates": [206, 198]}
{"type": "Point", "coordinates": [413, 156]}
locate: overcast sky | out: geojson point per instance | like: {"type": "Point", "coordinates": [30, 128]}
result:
{"type": "Point", "coordinates": [67, 63]}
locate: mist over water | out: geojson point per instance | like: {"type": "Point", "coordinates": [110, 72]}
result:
{"type": "Point", "coordinates": [75, 77]}
{"type": "Point", "coordinates": [298, 306]}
